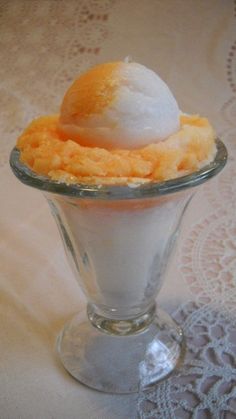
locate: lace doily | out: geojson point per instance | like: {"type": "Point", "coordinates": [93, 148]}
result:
{"type": "Point", "coordinates": [205, 385]}
{"type": "Point", "coordinates": [45, 56]}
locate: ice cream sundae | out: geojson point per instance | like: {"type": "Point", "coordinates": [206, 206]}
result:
{"type": "Point", "coordinates": [112, 166]}
{"type": "Point", "coordinates": [119, 123]}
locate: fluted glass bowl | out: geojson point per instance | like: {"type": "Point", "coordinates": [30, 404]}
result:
{"type": "Point", "coordinates": [118, 240]}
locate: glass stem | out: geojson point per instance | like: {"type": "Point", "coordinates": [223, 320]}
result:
{"type": "Point", "coordinates": [121, 327]}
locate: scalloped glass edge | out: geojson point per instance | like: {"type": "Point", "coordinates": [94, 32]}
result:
{"type": "Point", "coordinates": [135, 191]}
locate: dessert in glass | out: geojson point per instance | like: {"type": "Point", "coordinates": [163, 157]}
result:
{"type": "Point", "coordinates": [118, 167]}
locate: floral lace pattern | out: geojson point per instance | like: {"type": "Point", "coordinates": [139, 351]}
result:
{"type": "Point", "coordinates": [212, 247]}
{"type": "Point", "coordinates": [45, 56]}
{"type": "Point", "coordinates": [205, 385]}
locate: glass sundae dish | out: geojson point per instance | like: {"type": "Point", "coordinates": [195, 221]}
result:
{"type": "Point", "coordinates": [118, 167]}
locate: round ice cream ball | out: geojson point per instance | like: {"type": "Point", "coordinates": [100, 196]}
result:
{"type": "Point", "coordinates": [119, 105]}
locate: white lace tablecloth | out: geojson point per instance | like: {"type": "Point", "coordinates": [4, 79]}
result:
{"type": "Point", "coordinates": [44, 45]}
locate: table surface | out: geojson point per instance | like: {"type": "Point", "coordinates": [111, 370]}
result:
{"type": "Point", "coordinates": [44, 45]}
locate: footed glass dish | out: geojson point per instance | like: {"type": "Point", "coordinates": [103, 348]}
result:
{"type": "Point", "coordinates": [118, 240]}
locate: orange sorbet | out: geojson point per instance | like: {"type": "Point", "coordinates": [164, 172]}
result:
{"type": "Point", "coordinates": [47, 152]}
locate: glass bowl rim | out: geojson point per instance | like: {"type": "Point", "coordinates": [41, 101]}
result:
{"type": "Point", "coordinates": [114, 192]}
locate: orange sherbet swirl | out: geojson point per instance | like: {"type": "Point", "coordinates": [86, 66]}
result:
{"type": "Point", "coordinates": [91, 93]}
{"type": "Point", "coordinates": [47, 152]}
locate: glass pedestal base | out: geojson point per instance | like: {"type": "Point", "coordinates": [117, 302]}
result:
{"type": "Point", "coordinates": [120, 364]}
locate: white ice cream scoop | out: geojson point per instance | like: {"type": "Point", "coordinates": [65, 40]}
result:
{"type": "Point", "coordinates": [119, 105]}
